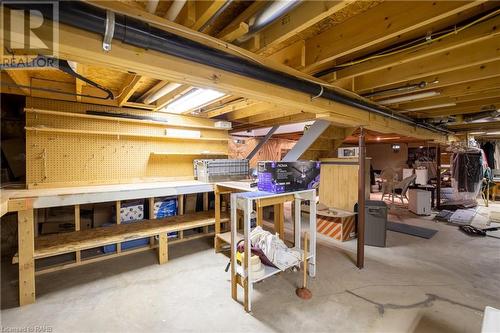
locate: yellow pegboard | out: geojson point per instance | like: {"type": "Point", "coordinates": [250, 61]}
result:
{"type": "Point", "coordinates": [57, 159]}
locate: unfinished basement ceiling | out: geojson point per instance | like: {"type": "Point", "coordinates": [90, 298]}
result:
{"type": "Point", "coordinates": [430, 61]}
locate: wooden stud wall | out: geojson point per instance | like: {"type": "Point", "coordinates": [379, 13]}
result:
{"type": "Point", "coordinates": [68, 148]}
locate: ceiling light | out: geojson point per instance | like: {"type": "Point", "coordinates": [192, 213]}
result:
{"type": "Point", "coordinates": [409, 97]}
{"type": "Point", "coordinates": [195, 98]}
{"type": "Point", "coordinates": [476, 133]}
{"type": "Point", "coordinates": [493, 133]}
{"type": "Point", "coordinates": [436, 106]}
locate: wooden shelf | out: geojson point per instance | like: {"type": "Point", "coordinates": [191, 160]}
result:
{"type": "Point", "coordinates": [118, 134]}
{"type": "Point", "coordinates": [118, 119]}
{"type": "Point", "coordinates": [46, 246]}
{"type": "Point", "coordinates": [189, 154]}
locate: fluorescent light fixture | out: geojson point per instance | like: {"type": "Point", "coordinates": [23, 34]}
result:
{"type": "Point", "coordinates": [407, 98]}
{"type": "Point", "coordinates": [476, 133]}
{"type": "Point", "coordinates": [193, 99]}
{"type": "Point", "coordinates": [430, 107]}
{"type": "Point", "coordinates": [182, 133]}
{"type": "Point", "coordinates": [493, 133]}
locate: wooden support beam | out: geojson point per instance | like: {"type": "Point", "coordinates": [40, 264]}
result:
{"type": "Point", "coordinates": [131, 85]}
{"type": "Point", "coordinates": [78, 256]}
{"type": "Point", "coordinates": [84, 47]}
{"type": "Point", "coordinates": [299, 19]}
{"type": "Point", "coordinates": [294, 55]}
{"type": "Point", "coordinates": [230, 107]}
{"type": "Point", "coordinates": [451, 78]}
{"type": "Point", "coordinates": [493, 95]}
{"type": "Point", "coordinates": [26, 241]}
{"type": "Point", "coordinates": [465, 38]}
{"type": "Point", "coordinates": [22, 78]}
{"type": "Point", "coordinates": [235, 32]}
{"type": "Point", "coordinates": [461, 108]}
{"type": "Point", "coordinates": [205, 14]}
{"type": "Point", "coordinates": [254, 8]}
{"type": "Point", "coordinates": [163, 248]}
{"type": "Point", "coordinates": [463, 57]}
{"type": "Point", "coordinates": [389, 22]}
{"type": "Point", "coordinates": [118, 221]}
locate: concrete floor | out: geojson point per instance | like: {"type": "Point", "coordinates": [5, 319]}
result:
{"type": "Point", "coordinates": [413, 285]}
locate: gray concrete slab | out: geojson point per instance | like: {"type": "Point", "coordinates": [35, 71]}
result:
{"type": "Point", "coordinates": [414, 285]}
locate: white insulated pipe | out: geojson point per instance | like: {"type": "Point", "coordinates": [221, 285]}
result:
{"type": "Point", "coordinates": [161, 92]}
{"type": "Point", "coordinates": [174, 9]}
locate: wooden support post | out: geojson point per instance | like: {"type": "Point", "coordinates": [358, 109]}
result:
{"type": "Point", "coordinates": [361, 200]}
{"type": "Point", "coordinates": [260, 215]}
{"type": "Point", "coordinates": [180, 203]}
{"type": "Point", "coordinates": [163, 248]}
{"type": "Point", "coordinates": [217, 219]}
{"type": "Point", "coordinates": [180, 207]}
{"type": "Point", "coordinates": [35, 221]}
{"type": "Point", "coordinates": [151, 202]}
{"type": "Point", "coordinates": [118, 205]}
{"type": "Point", "coordinates": [439, 178]}
{"type": "Point", "coordinates": [26, 241]}
{"type": "Point", "coordinates": [205, 208]}
{"type": "Point", "coordinates": [279, 220]}
{"type": "Point", "coordinates": [78, 254]}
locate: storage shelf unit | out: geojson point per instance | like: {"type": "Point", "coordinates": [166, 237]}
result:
{"type": "Point", "coordinates": [244, 201]}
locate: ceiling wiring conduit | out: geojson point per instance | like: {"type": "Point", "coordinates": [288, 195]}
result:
{"type": "Point", "coordinates": [143, 35]}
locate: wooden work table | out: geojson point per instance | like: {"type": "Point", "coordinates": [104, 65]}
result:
{"type": "Point", "coordinates": [25, 202]}
{"type": "Point", "coordinates": [276, 201]}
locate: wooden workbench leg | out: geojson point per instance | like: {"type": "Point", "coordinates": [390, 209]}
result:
{"type": "Point", "coordinates": [26, 241]}
{"type": "Point", "coordinates": [217, 221]}
{"type": "Point", "coordinates": [260, 215]}
{"type": "Point", "coordinates": [151, 215]}
{"type": "Point", "coordinates": [118, 206]}
{"type": "Point", "coordinates": [78, 254]}
{"type": "Point", "coordinates": [163, 248]}
{"type": "Point", "coordinates": [233, 217]}
{"type": "Point", "coordinates": [279, 220]}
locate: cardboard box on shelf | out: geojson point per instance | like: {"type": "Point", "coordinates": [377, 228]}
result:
{"type": "Point", "coordinates": [280, 177]}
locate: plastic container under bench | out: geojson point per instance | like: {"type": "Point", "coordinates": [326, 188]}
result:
{"type": "Point", "coordinates": [165, 207]}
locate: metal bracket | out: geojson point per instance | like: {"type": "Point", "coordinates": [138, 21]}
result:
{"type": "Point", "coordinates": [110, 30]}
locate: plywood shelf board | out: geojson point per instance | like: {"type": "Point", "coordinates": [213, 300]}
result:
{"type": "Point", "coordinates": [189, 154]}
{"type": "Point", "coordinates": [64, 196]}
{"type": "Point", "coordinates": [69, 242]}
{"type": "Point", "coordinates": [118, 119]}
{"type": "Point", "coordinates": [118, 134]}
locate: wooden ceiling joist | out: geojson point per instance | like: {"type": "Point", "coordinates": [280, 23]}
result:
{"type": "Point", "coordinates": [387, 22]}
{"type": "Point", "coordinates": [465, 38]}
{"type": "Point", "coordinates": [130, 86]}
{"type": "Point", "coordinates": [304, 16]}
{"type": "Point", "coordinates": [463, 57]}
{"type": "Point", "coordinates": [451, 78]}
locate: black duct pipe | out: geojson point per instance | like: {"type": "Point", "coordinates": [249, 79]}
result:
{"type": "Point", "coordinates": [140, 34]}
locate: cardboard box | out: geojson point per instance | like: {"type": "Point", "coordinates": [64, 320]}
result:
{"type": "Point", "coordinates": [65, 226]}
{"type": "Point", "coordinates": [164, 207]}
{"type": "Point", "coordinates": [339, 225]}
{"type": "Point", "coordinates": [280, 177]}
